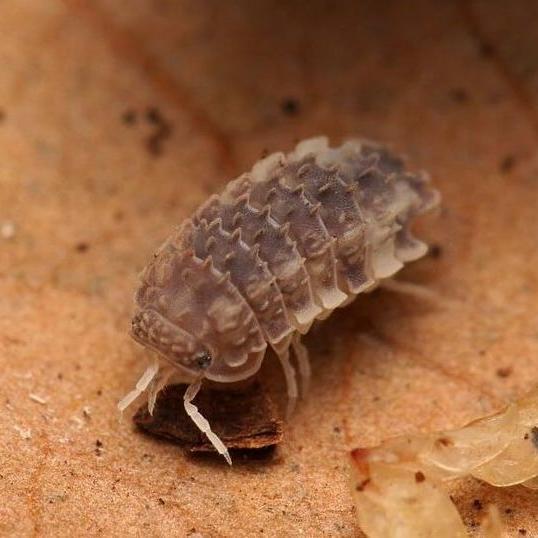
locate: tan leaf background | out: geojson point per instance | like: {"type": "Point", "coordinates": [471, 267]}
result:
{"type": "Point", "coordinates": [119, 117]}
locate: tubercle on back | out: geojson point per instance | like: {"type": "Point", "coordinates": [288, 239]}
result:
{"type": "Point", "coordinates": [366, 205]}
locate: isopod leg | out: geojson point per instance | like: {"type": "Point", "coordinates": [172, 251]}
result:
{"type": "Point", "coordinates": [201, 422]}
{"type": "Point", "coordinates": [159, 382]}
{"type": "Point", "coordinates": [141, 386]}
{"type": "Point", "coordinates": [301, 353]}
{"type": "Point", "coordinates": [291, 382]}
{"type": "Point", "coordinates": [411, 289]}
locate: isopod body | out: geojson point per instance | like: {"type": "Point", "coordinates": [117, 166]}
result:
{"type": "Point", "coordinates": [282, 246]}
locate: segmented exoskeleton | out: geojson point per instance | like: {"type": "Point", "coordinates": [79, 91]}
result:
{"type": "Point", "coordinates": [284, 245]}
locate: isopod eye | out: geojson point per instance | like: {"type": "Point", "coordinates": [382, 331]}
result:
{"type": "Point", "coordinates": [202, 359]}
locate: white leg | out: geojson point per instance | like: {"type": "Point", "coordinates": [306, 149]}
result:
{"type": "Point", "coordinates": [414, 290]}
{"type": "Point", "coordinates": [291, 382]}
{"type": "Point", "coordinates": [301, 353]}
{"type": "Point", "coordinates": [141, 386]}
{"type": "Point", "coordinates": [159, 382]}
{"type": "Point", "coordinates": [201, 422]}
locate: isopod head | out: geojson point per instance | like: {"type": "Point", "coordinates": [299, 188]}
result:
{"type": "Point", "coordinates": [195, 318]}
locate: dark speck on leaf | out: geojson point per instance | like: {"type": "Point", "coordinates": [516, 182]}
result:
{"type": "Point", "coordinates": [507, 164]}
{"type": "Point", "coordinates": [504, 372]}
{"type": "Point", "coordinates": [534, 432]}
{"type": "Point", "coordinates": [436, 251]}
{"type": "Point", "coordinates": [163, 130]}
{"type": "Point", "coordinates": [477, 504]}
{"type": "Point", "coordinates": [419, 477]}
{"type": "Point", "coordinates": [444, 441]}
{"type": "Point", "coordinates": [487, 50]}
{"type": "Point", "coordinates": [459, 95]}
{"type": "Point", "coordinates": [82, 246]}
{"type": "Point", "coordinates": [290, 106]}
{"type": "Point", "coordinates": [129, 117]}
{"type": "Point", "coordinates": [153, 115]}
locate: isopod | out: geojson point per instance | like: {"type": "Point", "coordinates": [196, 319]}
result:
{"type": "Point", "coordinates": [284, 245]}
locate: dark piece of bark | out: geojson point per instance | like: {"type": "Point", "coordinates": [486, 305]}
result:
{"type": "Point", "coordinates": [244, 420]}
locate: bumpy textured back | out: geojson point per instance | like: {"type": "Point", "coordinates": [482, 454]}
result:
{"type": "Point", "coordinates": [283, 245]}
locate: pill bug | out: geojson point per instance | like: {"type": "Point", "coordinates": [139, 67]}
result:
{"type": "Point", "coordinates": [282, 246]}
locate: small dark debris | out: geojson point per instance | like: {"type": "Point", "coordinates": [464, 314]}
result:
{"type": "Point", "coordinates": [99, 392]}
{"type": "Point", "coordinates": [60, 376]}
{"type": "Point", "coordinates": [290, 106]}
{"type": "Point", "coordinates": [435, 251]}
{"type": "Point", "coordinates": [98, 443]}
{"type": "Point", "coordinates": [487, 50]}
{"type": "Point", "coordinates": [526, 436]}
{"type": "Point", "coordinates": [264, 153]}
{"type": "Point", "coordinates": [523, 532]}
{"type": "Point", "coordinates": [2, 115]}
{"type": "Point", "coordinates": [534, 432]}
{"type": "Point", "coordinates": [361, 485]}
{"type": "Point", "coordinates": [508, 510]}
{"type": "Point", "coordinates": [161, 501]}
{"type": "Point", "coordinates": [153, 115]}
{"type": "Point", "coordinates": [507, 164]}
{"type": "Point", "coordinates": [459, 95]}
{"type": "Point", "coordinates": [163, 130]}
{"type": "Point", "coordinates": [129, 117]}
{"type": "Point", "coordinates": [82, 246]}
{"type": "Point", "coordinates": [245, 420]}
{"type": "Point", "coordinates": [419, 477]}
{"type": "Point", "coordinates": [504, 372]}
{"type": "Point", "coordinates": [445, 441]}
{"type": "Point", "coordinates": [477, 504]}
{"type": "Point", "coordinates": [336, 429]}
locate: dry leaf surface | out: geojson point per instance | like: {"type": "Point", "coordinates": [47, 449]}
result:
{"type": "Point", "coordinates": [117, 118]}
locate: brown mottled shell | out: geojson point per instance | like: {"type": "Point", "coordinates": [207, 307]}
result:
{"type": "Point", "coordinates": [282, 246]}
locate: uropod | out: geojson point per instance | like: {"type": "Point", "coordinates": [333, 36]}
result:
{"type": "Point", "coordinates": [281, 247]}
